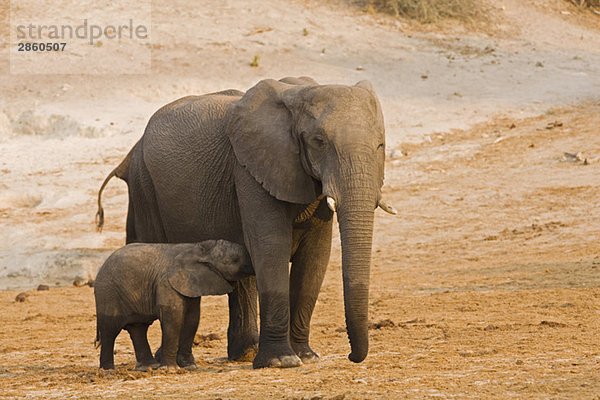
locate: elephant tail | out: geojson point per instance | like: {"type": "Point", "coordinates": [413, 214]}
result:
{"type": "Point", "coordinates": [120, 172]}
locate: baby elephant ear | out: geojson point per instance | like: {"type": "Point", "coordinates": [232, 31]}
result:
{"type": "Point", "coordinates": [193, 278]}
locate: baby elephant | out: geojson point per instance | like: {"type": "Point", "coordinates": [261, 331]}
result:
{"type": "Point", "coordinates": [140, 283]}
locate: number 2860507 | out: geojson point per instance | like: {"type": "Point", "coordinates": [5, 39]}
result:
{"type": "Point", "coordinates": [39, 47]}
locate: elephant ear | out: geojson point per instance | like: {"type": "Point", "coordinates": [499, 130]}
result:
{"type": "Point", "coordinates": [193, 278]}
{"type": "Point", "coordinates": [261, 134]}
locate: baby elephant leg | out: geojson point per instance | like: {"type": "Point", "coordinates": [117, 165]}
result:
{"type": "Point", "coordinates": [191, 318]}
{"type": "Point", "coordinates": [108, 335]}
{"type": "Point", "coordinates": [143, 354]}
{"type": "Point", "coordinates": [171, 320]}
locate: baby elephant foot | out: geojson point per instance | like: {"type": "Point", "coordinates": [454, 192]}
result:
{"type": "Point", "coordinates": [170, 369]}
{"type": "Point", "coordinates": [281, 356]}
{"type": "Point", "coordinates": [306, 354]}
{"type": "Point", "coordinates": [186, 362]}
{"type": "Point", "coordinates": [105, 372]}
{"type": "Point", "coordinates": [145, 367]}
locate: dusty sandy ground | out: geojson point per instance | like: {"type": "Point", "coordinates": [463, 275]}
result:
{"type": "Point", "coordinates": [489, 275]}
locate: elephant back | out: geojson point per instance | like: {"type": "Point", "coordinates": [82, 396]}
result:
{"type": "Point", "coordinates": [189, 161]}
{"type": "Point", "coordinates": [125, 284]}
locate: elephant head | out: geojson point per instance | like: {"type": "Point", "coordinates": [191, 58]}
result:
{"type": "Point", "coordinates": [208, 267]}
{"type": "Point", "coordinates": [302, 140]}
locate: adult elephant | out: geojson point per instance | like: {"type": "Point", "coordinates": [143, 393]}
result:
{"type": "Point", "coordinates": [267, 169]}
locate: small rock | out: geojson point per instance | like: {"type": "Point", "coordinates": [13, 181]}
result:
{"type": "Point", "coordinates": [553, 324]}
{"type": "Point", "coordinates": [199, 339]}
{"type": "Point", "coordinates": [491, 327]}
{"type": "Point", "coordinates": [572, 157]}
{"type": "Point", "coordinates": [21, 297]}
{"type": "Point", "coordinates": [79, 282]}
{"type": "Point", "coordinates": [396, 153]}
{"type": "Point", "coordinates": [555, 124]}
{"type": "Point", "coordinates": [360, 68]}
{"type": "Point", "coordinates": [416, 321]}
{"type": "Point", "coordinates": [382, 324]}
{"type": "Point", "coordinates": [43, 287]}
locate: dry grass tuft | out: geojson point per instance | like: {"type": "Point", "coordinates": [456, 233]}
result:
{"type": "Point", "coordinates": [427, 11]}
{"type": "Point", "coordinates": [588, 3]}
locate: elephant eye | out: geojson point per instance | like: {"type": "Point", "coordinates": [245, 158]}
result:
{"type": "Point", "coordinates": [380, 146]}
{"type": "Point", "coordinates": [318, 141]}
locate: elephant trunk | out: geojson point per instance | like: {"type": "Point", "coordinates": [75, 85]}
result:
{"type": "Point", "coordinates": [355, 211]}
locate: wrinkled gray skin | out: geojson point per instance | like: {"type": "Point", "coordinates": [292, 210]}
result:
{"type": "Point", "coordinates": [141, 282]}
{"type": "Point", "coordinates": [256, 168]}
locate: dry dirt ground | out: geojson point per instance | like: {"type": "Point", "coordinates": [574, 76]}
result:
{"type": "Point", "coordinates": [487, 283]}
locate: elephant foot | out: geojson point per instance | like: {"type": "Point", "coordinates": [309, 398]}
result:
{"type": "Point", "coordinates": [145, 367]}
{"type": "Point", "coordinates": [105, 372]}
{"type": "Point", "coordinates": [306, 354]}
{"type": "Point", "coordinates": [276, 357]}
{"type": "Point", "coordinates": [190, 367]}
{"type": "Point", "coordinates": [249, 354]}
{"type": "Point", "coordinates": [168, 368]}
{"type": "Point", "coordinates": [244, 350]}
{"type": "Point", "coordinates": [158, 354]}
{"type": "Point", "coordinates": [185, 360]}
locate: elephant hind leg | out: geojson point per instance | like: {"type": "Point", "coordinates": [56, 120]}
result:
{"type": "Point", "coordinates": [144, 223]}
{"type": "Point", "coordinates": [143, 354]}
{"type": "Point", "coordinates": [242, 334]}
{"type": "Point", "coordinates": [107, 334]}
{"type": "Point", "coordinates": [130, 236]}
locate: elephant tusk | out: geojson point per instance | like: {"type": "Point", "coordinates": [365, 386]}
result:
{"type": "Point", "coordinates": [331, 203]}
{"type": "Point", "coordinates": [387, 208]}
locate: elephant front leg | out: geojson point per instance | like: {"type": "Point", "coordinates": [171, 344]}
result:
{"type": "Point", "coordinates": [270, 255]}
{"type": "Point", "coordinates": [171, 321]}
{"type": "Point", "coordinates": [242, 334]}
{"type": "Point", "coordinates": [185, 358]}
{"type": "Point", "coordinates": [309, 264]}
{"type": "Point", "coordinates": [267, 227]}
{"type": "Point", "coordinates": [274, 348]}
